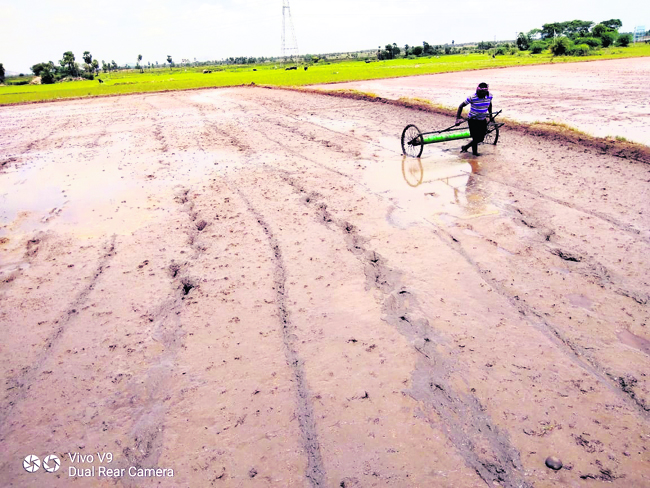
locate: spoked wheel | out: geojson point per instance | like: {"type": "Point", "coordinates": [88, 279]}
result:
{"type": "Point", "coordinates": [412, 141]}
{"type": "Point", "coordinates": [492, 136]}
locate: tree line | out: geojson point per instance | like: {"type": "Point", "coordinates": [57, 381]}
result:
{"type": "Point", "coordinates": [577, 37]}
{"type": "Point", "coordinates": [68, 68]}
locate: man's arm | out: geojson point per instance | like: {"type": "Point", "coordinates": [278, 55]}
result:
{"type": "Point", "coordinates": [490, 110]}
{"type": "Point", "coordinates": [459, 119]}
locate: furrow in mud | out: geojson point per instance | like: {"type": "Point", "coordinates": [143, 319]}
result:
{"type": "Point", "coordinates": [478, 440]}
{"type": "Point", "coordinates": [22, 383]}
{"type": "Point", "coordinates": [304, 409]}
{"type": "Point", "coordinates": [578, 354]}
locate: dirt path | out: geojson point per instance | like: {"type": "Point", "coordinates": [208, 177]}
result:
{"type": "Point", "coordinates": [253, 287]}
{"type": "Point", "coordinates": [602, 98]}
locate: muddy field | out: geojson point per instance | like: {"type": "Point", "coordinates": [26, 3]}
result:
{"type": "Point", "coordinates": [601, 98]}
{"type": "Point", "coordinates": [253, 287]}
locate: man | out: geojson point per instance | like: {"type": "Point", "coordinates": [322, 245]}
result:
{"type": "Point", "coordinates": [480, 109]}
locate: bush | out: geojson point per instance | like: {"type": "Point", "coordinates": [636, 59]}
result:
{"type": "Point", "coordinates": [589, 41]}
{"type": "Point", "coordinates": [624, 40]}
{"type": "Point", "coordinates": [537, 47]}
{"type": "Point", "coordinates": [47, 77]}
{"type": "Point", "coordinates": [501, 51]}
{"type": "Point", "coordinates": [609, 38]}
{"type": "Point", "coordinates": [580, 50]}
{"type": "Point", "coordinates": [561, 46]}
{"type": "Point", "coordinates": [417, 50]}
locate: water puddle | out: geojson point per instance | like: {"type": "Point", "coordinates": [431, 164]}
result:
{"type": "Point", "coordinates": [441, 186]}
{"type": "Point", "coordinates": [115, 193]}
{"type": "Point", "coordinates": [579, 301]}
{"type": "Point", "coordinates": [633, 340]}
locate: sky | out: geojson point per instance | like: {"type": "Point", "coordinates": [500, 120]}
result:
{"type": "Point", "coordinates": [42, 30]}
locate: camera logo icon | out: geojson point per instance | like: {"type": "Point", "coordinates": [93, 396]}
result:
{"type": "Point", "coordinates": [51, 463]}
{"type": "Point", "coordinates": [31, 463]}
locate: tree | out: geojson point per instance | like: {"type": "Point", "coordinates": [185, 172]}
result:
{"type": "Point", "coordinates": [406, 49]}
{"type": "Point", "coordinates": [114, 65]}
{"type": "Point", "coordinates": [599, 30]}
{"type": "Point", "coordinates": [47, 73]}
{"type": "Point", "coordinates": [38, 68]}
{"type": "Point", "coordinates": [68, 64]}
{"type": "Point", "coordinates": [169, 60]}
{"type": "Point", "coordinates": [484, 46]}
{"type": "Point", "coordinates": [2, 73]}
{"type": "Point", "coordinates": [534, 34]}
{"type": "Point", "coordinates": [577, 28]}
{"type": "Point", "coordinates": [88, 58]}
{"type": "Point", "coordinates": [612, 24]}
{"type": "Point", "coordinates": [523, 41]}
{"type": "Point", "coordinates": [138, 64]}
{"type": "Point", "coordinates": [417, 50]}
{"type": "Point", "coordinates": [550, 31]}
{"type": "Point", "coordinates": [95, 66]}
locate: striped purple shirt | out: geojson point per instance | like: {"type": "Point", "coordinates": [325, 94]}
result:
{"type": "Point", "coordinates": [478, 106]}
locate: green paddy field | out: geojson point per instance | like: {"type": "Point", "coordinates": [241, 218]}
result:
{"type": "Point", "coordinates": [180, 78]}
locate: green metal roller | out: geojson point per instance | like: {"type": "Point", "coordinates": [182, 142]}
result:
{"type": "Point", "coordinates": [445, 137]}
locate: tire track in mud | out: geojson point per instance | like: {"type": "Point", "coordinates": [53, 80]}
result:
{"type": "Point", "coordinates": [19, 153]}
{"type": "Point", "coordinates": [305, 411]}
{"type": "Point", "coordinates": [19, 386]}
{"type": "Point", "coordinates": [355, 138]}
{"type": "Point", "coordinates": [628, 228]}
{"type": "Point", "coordinates": [475, 436]}
{"type": "Point", "coordinates": [621, 386]}
{"type": "Point", "coordinates": [585, 266]}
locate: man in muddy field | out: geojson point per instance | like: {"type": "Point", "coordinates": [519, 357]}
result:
{"type": "Point", "coordinates": [479, 113]}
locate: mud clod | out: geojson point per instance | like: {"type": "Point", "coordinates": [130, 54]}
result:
{"type": "Point", "coordinates": [174, 268]}
{"type": "Point", "coordinates": [188, 285]}
{"type": "Point", "coordinates": [554, 463]}
{"type": "Point", "coordinates": [566, 255]}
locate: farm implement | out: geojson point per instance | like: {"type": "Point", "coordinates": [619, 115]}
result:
{"type": "Point", "coordinates": [413, 141]}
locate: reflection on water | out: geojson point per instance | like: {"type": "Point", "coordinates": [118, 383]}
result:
{"type": "Point", "coordinates": [441, 187]}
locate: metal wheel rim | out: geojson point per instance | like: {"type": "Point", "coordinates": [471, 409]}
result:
{"type": "Point", "coordinates": [412, 133]}
{"type": "Point", "coordinates": [492, 136]}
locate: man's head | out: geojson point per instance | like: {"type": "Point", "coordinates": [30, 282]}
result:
{"type": "Point", "coordinates": [482, 90]}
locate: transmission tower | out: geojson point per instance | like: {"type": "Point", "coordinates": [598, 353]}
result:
{"type": "Point", "coordinates": [289, 46]}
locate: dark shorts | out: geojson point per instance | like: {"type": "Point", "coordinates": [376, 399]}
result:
{"type": "Point", "coordinates": [477, 129]}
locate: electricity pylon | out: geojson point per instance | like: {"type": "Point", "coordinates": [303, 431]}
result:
{"type": "Point", "coordinates": [289, 46]}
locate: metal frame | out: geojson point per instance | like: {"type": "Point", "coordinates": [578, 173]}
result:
{"type": "Point", "coordinates": [417, 138]}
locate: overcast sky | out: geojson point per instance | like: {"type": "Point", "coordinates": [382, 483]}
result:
{"type": "Point", "coordinates": [41, 30]}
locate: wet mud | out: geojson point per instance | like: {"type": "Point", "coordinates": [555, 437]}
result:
{"type": "Point", "coordinates": [255, 287]}
{"type": "Point", "coordinates": [602, 98]}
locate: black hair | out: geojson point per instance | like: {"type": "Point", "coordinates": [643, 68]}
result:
{"type": "Point", "coordinates": [483, 85]}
